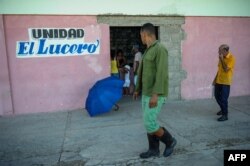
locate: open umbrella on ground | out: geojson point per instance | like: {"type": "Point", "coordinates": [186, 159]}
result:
{"type": "Point", "coordinates": [104, 95]}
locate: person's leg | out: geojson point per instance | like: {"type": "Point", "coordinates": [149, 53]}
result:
{"type": "Point", "coordinates": [150, 115]}
{"type": "Point", "coordinates": [135, 79]}
{"type": "Point", "coordinates": [127, 90]}
{"type": "Point", "coordinates": [125, 87]}
{"type": "Point", "coordinates": [154, 129]}
{"type": "Point", "coordinates": [165, 137]}
{"type": "Point", "coordinates": [217, 95]}
{"type": "Point", "coordinates": [169, 141]}
{"type": "Point", "coordinates": [153, 147]}
{"type": "Point", "coordinates": [149, 118]}
{"type": "Point", "coordinates": [224, 102]}
{"type": "Point", "coordinates": [123, 90]}
{"type": "Point", "coordinates": [161, 133]}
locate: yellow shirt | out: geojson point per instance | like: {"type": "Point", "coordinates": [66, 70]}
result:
{"type": "Point", "coordinates": [224, 77]}
{"type": "Point", "coordinates": [114, 68]}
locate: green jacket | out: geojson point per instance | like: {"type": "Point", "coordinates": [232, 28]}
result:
{"type": "Point", "coordinates": [153, 71]}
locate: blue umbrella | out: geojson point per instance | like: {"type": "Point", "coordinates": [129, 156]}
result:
{"type": "Point", "coordinates": [103, 95]}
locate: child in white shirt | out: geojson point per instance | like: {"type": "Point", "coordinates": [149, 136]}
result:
{"type": "Point", "coordinates": [126, 85]}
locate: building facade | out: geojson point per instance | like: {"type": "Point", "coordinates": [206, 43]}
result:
{"type": "Point", "coordinates": [49, 62]}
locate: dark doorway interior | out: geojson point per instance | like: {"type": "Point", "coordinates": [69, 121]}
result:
{"type": "Point", "coordinates": [124, 38]}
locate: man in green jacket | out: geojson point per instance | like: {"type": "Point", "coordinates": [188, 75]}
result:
{"type": "Point", "coordinates": [153, 84]}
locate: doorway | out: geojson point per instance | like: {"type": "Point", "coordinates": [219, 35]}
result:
{"type": "Point", "coordinates": [124, 38]}
{"type": "Point", "coordinates": [170, 33]}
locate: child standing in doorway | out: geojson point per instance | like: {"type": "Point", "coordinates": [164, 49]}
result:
{"type": "Point", "coordinates": [126, 85]}
{"type": "Point", "coordinates": [114, 68]}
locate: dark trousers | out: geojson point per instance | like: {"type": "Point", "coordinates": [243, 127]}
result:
{"type": "Point", "coordinates": [221, 93]}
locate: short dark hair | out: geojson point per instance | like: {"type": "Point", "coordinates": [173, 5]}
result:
{"type": "Point", "coordinates": [119, 51]}
{"type": "Point", "coordinates": [149, 28]}
{"type": "Point", "coordinates": [112, 52]}
{"type": "Point", "coordinates": [224, 47]}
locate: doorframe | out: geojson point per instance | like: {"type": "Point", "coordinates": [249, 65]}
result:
{"type": "Point", "coordinates": [170, 34]}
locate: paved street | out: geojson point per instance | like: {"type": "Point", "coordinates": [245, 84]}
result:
{"type": "Point", "coordinates": [116, 138]}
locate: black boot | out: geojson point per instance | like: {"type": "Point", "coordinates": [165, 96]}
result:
{"type": "Point", "coordinates": [223, 118]}
{"type": "Point", "coordinates": [169, 141]}
{"type": "Point", "coordinates": [153, 150]}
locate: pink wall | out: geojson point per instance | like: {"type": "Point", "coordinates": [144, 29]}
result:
{"type": "Point", "coordinates": [5, 90]}
{"type": "Point", "coordinates": [62, 83]}
{"type": "Point", "coordinates": [54, 83]}
{"type": "Point", "coordinates": [200, 57]}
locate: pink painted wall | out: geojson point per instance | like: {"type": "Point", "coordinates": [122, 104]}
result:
{"type": "Point", "coordinates": [5, 90]}
{"type": "Point", "coordinates": [200, 57]}
{"type": "Point", "coordinates": [54, 83]}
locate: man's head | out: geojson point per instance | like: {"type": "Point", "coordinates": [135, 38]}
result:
{"type": "Point", "coordinates": [147, 31]}
{"type": "Point", "coordinates": [223, 50]}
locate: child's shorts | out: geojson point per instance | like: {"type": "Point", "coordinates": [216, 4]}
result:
{"type": "Point", "coordinates": [126, 84]}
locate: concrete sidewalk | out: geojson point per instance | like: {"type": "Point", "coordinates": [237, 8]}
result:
{"type": "Point", "coordinates": [117, 138]}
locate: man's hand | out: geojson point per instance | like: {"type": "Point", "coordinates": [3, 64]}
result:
{"type": "Point", "coordinates": [135, 95]}
{"type": "Point", "coordinates": [153, 101]}
{"type": "Point", "coordinates": [221, 56]}
{"type": "Point", "coordinates": [224, 66]}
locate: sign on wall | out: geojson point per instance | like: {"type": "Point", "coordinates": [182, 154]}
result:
{"type": "Point", "coordinates": [54, 42]}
